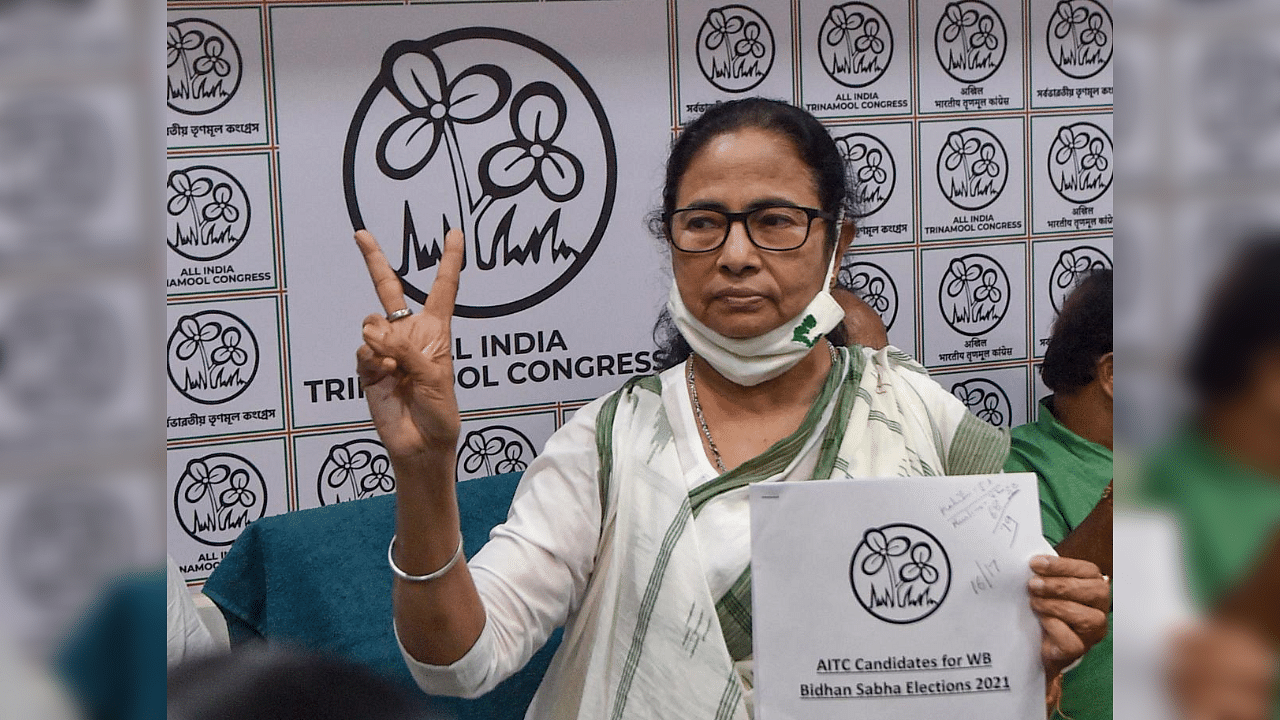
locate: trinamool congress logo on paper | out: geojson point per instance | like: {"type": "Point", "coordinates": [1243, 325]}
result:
{"type": "Point", "coordinates": [970, 41]}
{"type": "Point", "coordinates": [204, 66]}
{"type": "Point", "coordinates": [212, 356]}
{"type": "Point", "coordinates": [1072, 266]}
{"type": "Point", "coordinates": [493, 450]}
{"type": "Point", "coordinates": [874, 285]}
{"type": "Point", "coordinates": [973, 168]}
{"type": "Point", "coordinates": [974, 294]}
{"type": "Point", "coordinates": [1080, 38]}
{"type": "Point", "coordinates": [355, 470]}
{"type": "Point", "coordinates": [493, 132]}
{"type": "Point", "coordinates": [872, 166]}
{"type": "Point", "coordinates": [986, 400]}
{"type": "Point", "coordinates": [1080, 162]}
{"type": "Point", "coordinates": [217, 496]}
{"type": "Point", "coordinates": [900, 573]}
{"type": "Point", "coordinates": [735, 48]}
{"type": "Point", "coordinates": [855, 44]}
{"type": "Point", "coordinates": [208, 212]}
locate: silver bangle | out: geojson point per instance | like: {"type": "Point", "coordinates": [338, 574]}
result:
{"type": "Point", "coordinates": [457, 554]}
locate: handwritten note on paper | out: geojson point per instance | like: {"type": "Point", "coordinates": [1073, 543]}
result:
{"type": "Point", "coordinates": [896, 598]}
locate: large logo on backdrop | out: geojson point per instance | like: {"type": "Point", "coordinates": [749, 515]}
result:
{"type": "Point", "coordinates": [1070, 268]}
{"type": "Point", "coordinates": [1080, 37]}
{"type": "Point", "coordinates": [354, 470]}
{"type": "Point", "coordinates": [970, 40]}
{"type": "Point", "coordinates": [855, 44]}
{"type": "Point", "coordinates": [1080, 162]}
{"type": "Point", "coordinates": [974, 294]}
{"type": "Point", "coordinates": [493, 132]}
{"type": "Point", "coordinates": [62, 355]}
{"type": "Point", "coordinates": [204, 66]}
{"type": "Point", "coordinates": [56, 161]}
{"type": "Point", "coordinates": [874, 286]}
{"type": "Point", "coordinates": [985, 399]}
{"type": "Point", "coordinates": [65, 541]}
{"type": "Point", "coordinates": [735, 48]}
{"type": "Point", "coordinates": [871, 164]}
{"type": "Point", "coordinates": [900, 573]}
{"type": "Point", "coordinates": [212, 356]}
{"type": "Point", "coordinates": [493, 450]}
{"type": "Point", "coordinates": [208, 212]}
{"type": "Point", "coordinates": [217, 496]}
{"type": "Point", "coordinates": [973, 168]}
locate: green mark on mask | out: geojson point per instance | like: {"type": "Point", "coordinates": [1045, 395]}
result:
{"type": "Point", "coordinates": [801, 334]}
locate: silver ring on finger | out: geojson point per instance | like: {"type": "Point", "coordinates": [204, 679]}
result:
{"type": "Point", "coordinates": [400, 314]}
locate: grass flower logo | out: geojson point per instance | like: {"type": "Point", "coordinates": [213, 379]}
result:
{"type": "Point", "coordinates": [353, 470]}
{"type": "Point", "coordinates": [208, 212]}
{"type": "Point", "coordinates": [974, 294]}
{"type": "Point", "coordinates": [986, 400]}
{"type": "Point", "coordinates": [204, 67]}
{"type": "Point", "coordinates": [518, 155]}
{"type": "Point", "coordinates": [972, 168]}
{"type": "Point", "coordinates": [1079, 37]}
{"type": "Point", "coordinates": [217, 495]}
{"type": "Point", "coordinates": [970, 40]}
{"type": "Point", "coordinates": [899, 573]}
{"type": "Point", "coordinates": [855, 44]}
{"type": "Point", "coordinates": [206, 373]}
{"type": "Point", "coordinates": [874, 286]}
{"type": "Point", "coordinates": [870, 162]}
{"type": "Point", "coordinates": [735, 48]}
{"type": "Point", "coordinates": [1080, 162]}
{"type": "Point", "coordinates": [1072, 265]}
{"type": "Point", "coordinates": [492, 450]}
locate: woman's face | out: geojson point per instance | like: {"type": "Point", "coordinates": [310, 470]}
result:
{"type": "Point", "coordinates": [740, 290]}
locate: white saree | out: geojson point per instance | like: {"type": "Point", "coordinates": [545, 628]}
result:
{"type": "Point", "coordinates": [663, 625]}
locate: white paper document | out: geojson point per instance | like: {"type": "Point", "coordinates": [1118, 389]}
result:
{"type": "Point", "coordinates": [897, 598]}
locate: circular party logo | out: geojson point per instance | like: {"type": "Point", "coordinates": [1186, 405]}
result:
{"type": "Point", "coordinates": [871, 165]}
{"type": "Point", "coordinates": [1080, 37]}
{"type": "Point", "coordinates": [212, 356]}
{"type": "Point", "coordinates": [735, 48]}
{"type": "Point", "coordinates": [874, 286]}
{"type": "Point", "coordinates": [970, 41]}
{"type": "Point", "coordinates": [974, 294]}
{"type": "Point", "coordinates": [973, 168]}
{"type": "Point", "coordinates": [355, 470]}
{"type": "Point", "coordinates": [900, 573]}
{"type": "Point", "coordinates": [493, 132]}
{"type": "Point", "coordinates": [204, 66]}
{"type": "Point", "coordinates": [1080, 162]}
{"type": "Point", "coordinates": [855, 44]}
{"type": "Point", "coordinates": [493, 450]}
{"type": "Point", "coordinates": [1070, 268]}
{"type": "Point", "coordinates": [217, 496]}
{"type": "Point", "coordinates": [986, 400]}
{"type": "Point", "coordinates": [208, 212]}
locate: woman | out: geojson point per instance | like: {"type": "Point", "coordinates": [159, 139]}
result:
{"type": "Point", "coordinates": [635, 514]}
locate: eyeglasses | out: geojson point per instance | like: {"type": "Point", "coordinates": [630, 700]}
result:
{"type": "Point", "coordinates": [776, 227]}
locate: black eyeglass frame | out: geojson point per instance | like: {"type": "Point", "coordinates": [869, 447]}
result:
{"type": "Point", "coordinates": [735, 217]}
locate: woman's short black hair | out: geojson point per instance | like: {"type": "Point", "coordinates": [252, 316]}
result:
{"type": "Point", "coordinates": [1081, 335]}
{"type": "Point", "coordinates": [812, 142]}
{"type": "Point", "coordinates": [1241, 322]}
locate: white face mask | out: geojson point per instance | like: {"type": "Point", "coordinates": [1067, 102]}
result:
{"type": "Point", "coordinates": [751, 361]}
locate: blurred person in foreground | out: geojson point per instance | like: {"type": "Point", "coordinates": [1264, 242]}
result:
{"type": "Point", "coordinates": [1069, 448]}
{"type": "Point", "coordinates": [1220, 478]}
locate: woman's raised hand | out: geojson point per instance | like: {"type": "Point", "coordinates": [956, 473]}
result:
{"type": "Point", "coordinates": [405, 365]}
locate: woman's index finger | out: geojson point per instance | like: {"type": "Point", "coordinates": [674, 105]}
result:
{"type": "Point", "coordinates": [444, 289]}
{"type": "Point", "coordinates": [385, 281]}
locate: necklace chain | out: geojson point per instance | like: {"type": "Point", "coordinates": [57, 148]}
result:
{"type": "Point", "coordinates": [702, 420]}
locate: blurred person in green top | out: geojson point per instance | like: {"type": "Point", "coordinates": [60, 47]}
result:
{"type": "Point", "coordinates": [1220, 478]}
{"type": "Point", "coordinates": [1069, 448]}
